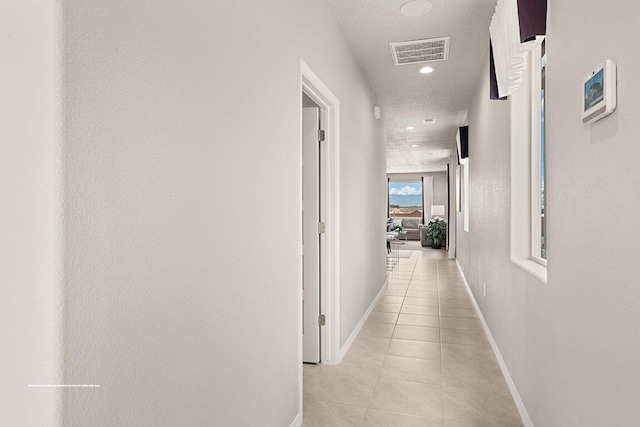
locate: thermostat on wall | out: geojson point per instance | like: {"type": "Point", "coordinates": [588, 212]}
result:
{"type": "Point", "coordinates": [599, 92]}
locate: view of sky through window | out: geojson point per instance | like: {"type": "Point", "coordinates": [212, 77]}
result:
{"type": "Point", "coordinates": [405, 199]}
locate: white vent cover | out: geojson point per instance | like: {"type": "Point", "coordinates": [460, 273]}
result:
{"type": "Point", "coordinates": [417, 51]}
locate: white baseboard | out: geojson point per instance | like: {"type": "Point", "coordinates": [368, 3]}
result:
{"type": "Point", "coordinates": [347, 345]}
{"type": "Point", "coordinates": [526, 420]}
{"type": "Point", "coordinates": [297, 421]}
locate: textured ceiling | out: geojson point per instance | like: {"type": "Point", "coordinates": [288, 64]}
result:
{"type": "Point", "coordinates": [405, 96]}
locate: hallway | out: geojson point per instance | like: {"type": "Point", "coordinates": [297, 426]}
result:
{"type": "Point", "coordinates": [422, 359]}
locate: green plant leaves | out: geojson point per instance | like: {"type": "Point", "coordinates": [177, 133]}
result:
{"type": "Point", "coordinates": [437, 231]}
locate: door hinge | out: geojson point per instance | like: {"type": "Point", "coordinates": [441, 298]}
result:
{"type": "Point", "coordinates": [321, 227]}
{"type": "Point", "coordinates": [320, 135]}
{"type": "Point", "coordinates": [321, 320]}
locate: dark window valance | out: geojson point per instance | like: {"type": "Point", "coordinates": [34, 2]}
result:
{"type": "Point", "coordinates": [423, 206]}
{"type": "Point", "coordinates": [532, 15]}
{"type": "Point", "coordinates": [464, 142]}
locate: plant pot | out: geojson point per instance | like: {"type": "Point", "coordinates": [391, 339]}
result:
{"type": "Point", "coordinates": [434, 246]}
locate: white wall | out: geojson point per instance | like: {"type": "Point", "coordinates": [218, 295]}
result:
{"type": "Point", "coordinates": [180, 268]}
{"type": "Point", "coordinates": [572, 346]}
{"type": "Point", "coordinates": [29, 218]}
{"type": "Point", "coordinates": [363, 205]}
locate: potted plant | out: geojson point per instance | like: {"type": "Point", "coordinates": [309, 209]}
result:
{"type": "Point", "coordinates": [437, 231]}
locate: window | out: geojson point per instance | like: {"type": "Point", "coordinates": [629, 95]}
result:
{"type": "Point", "coordinates": [538, 221]}
{"type": "Point", "coordinates": [464, 164]}
{"type": "Point", "coordinates": [528, 165]}
{"type": "Point", "coordinates": [543, 135]}
{"type": "Point", "coordinates": [458, 190]}
{"type": "Point", "coordinates": [405, 199]}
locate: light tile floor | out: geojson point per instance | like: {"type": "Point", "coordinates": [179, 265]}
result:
{"type": "Point", "coordinates": [422, 359]}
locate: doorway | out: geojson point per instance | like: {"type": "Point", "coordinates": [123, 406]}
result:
{"type": "Point", "coordinates": [312, 229]}
{"type": "Point", "coordinates": [328, 198]}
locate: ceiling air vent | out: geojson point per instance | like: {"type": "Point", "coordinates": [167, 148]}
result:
{"type": "Point", "coordinates": [417, 51]}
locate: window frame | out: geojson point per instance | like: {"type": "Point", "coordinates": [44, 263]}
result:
{"type": "Point", "coordinates": [525, 115]}
{"type": "Point", "coordinates": [536, 152]}
{"type": "Point", "coordinates": [464, 164]}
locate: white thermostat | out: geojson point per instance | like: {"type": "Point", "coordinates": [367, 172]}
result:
{"type": "Point", "coordinates": [599, 92]}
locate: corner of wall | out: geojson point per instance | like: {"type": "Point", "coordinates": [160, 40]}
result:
{"type": "Point", "coordinates": [32, 226]}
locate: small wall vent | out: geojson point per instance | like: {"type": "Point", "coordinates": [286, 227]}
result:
{"type": "Point", "coordinates": [416, 51]}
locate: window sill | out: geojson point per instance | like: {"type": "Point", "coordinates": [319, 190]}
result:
{"type": "Point", "coordinates": [539, 271]}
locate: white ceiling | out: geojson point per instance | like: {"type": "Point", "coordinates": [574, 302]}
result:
{"type": "Point", "coordinates": [405, 96]}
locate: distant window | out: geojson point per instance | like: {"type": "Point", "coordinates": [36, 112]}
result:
{"type": "Point", "coordinates": [405, 199]}
{"type": "Point", "coordinates": [464, 164]}
{"type": "Point", "coordinates": [538, 213]}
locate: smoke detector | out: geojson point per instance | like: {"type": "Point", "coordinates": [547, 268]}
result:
{"type": "Point", "coordinates": [417, 51]}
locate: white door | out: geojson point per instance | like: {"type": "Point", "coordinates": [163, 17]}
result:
{"type": "Point", "coordinates": [310, 234]}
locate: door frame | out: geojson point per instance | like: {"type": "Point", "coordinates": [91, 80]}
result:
{"type": "Point", "coordinates": [310, 84]}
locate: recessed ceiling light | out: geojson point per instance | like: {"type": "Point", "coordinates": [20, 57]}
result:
{"type": "Point", "coordinates": [410, 127]}
{"type": "Point", "coordinates": [426, 70]}
{"type": "Point", "coordinates": [416, 8]}
{"type": "Point", "coordinates": [414, 145]}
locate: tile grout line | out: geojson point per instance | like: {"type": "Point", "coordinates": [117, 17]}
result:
{"type": "Point", "coordinates": [386, 352]}
{"type": "Point", "coordinates": [411, 276]}
{"type": "Point", "coordinates": [364, 419]}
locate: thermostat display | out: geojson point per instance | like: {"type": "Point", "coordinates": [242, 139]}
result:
{"type": "Point", "coordinates": [599, 92]}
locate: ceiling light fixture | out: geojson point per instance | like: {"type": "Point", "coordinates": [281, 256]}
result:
{"type": "Point", "coordinates": [410, 127]}
{"type": "Point", "coordinates": [426, 70]}
{"type": "Point", "coordinates": [414, 145]}
{"type": "Point", "coordinates": [428, 121]}
{"type": "Point", "coordinates": [416, 8]}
